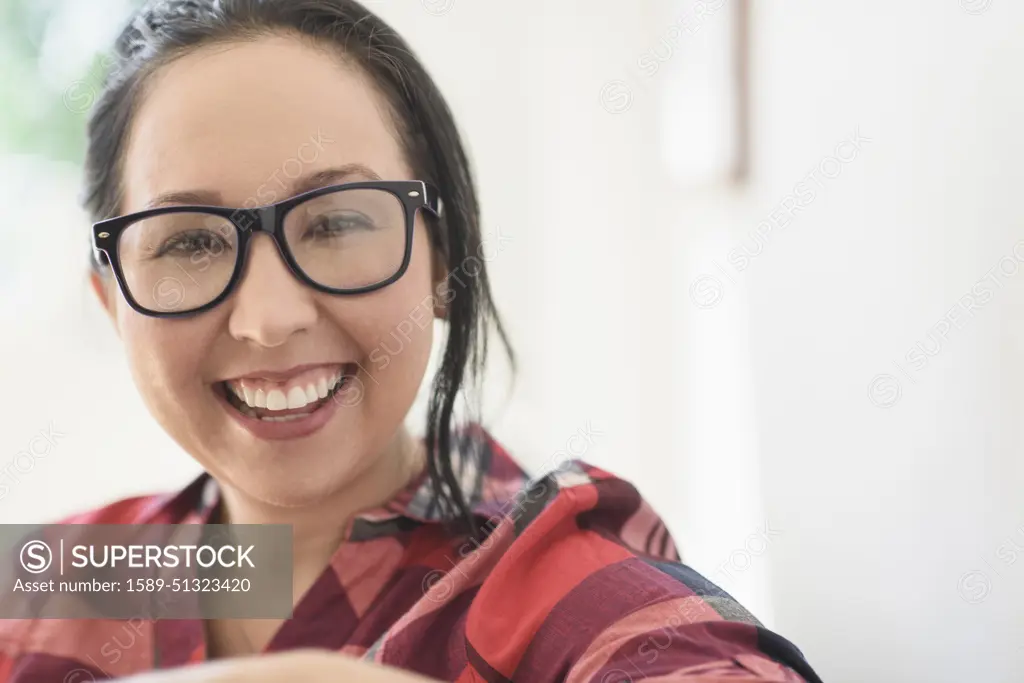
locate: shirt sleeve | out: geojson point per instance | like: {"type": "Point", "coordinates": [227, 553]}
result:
{"type": "Point", "coordinates": [656, 644]}
{"type": "Point", "coordinates": [585, 592]}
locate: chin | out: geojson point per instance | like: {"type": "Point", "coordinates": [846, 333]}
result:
{"type": "Point", "coordinates": [293, 487]}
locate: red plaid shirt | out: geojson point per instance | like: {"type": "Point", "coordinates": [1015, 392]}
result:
{"type": "Point", "coordinates": [578, 581]}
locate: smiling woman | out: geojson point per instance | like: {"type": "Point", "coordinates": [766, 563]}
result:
{"type": "Point", "coordinates": [253, 278]}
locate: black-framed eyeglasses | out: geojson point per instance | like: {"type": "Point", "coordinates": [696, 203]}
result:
{"type": "Point", "coordinates": [343, 239]}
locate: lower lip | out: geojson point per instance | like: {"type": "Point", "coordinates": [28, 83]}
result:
{"type": "Point", "coordinates": [283, 431]}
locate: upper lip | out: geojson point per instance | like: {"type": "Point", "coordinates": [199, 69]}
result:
{"type": "Point", "coordinates": [280, 375]}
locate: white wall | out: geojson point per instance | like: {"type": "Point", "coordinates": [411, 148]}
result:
{"type": "Point", "coordinates": [883, 513]}
{"type": "Point", "coordinates": [752, 411]}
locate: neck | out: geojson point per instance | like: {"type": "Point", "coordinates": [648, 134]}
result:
{"type": "Point", "coordinates": [318, 529]}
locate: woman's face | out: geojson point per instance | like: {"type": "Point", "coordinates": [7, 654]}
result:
{"type": "Point", "coordinates": [246, 125]}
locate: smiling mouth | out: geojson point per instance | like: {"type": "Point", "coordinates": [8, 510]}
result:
{"type": "Point", "coordinates": [290, 401]}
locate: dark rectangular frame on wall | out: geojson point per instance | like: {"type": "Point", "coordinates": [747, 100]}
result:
{"type": "Point", "coordinates": [741, 82]}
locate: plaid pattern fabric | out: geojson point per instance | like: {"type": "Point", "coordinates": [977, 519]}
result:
{"type": "Point", "coordinates": [578, 580]}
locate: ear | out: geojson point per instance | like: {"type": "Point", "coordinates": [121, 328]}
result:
{"type": "Point", "coordinates": [101, 287]}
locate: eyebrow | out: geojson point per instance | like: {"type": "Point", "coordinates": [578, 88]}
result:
{"type": "Point", "coordinates": [300, 185]}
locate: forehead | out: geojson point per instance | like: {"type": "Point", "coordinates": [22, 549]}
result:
{"type": "Point", "coordinates": [232, 119]}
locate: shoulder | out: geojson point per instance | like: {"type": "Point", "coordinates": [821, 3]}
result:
{"type": "Point", "coordinates": [135, 510]}
{"type": "Point", "coordinates": [49, 648]}
{"type": "Point", "coordinates": [157, 508]}
{"type": "Point", "coordinates": [590, 582]}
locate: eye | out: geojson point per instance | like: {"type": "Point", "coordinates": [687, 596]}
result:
{"type": "Point", "coordinates": [193, 242]}
{"type": "Point", "coordinates": [339, 223]}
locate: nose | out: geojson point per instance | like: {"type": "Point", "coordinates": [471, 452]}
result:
{"type": "Point", "coordinates": [270, 304]}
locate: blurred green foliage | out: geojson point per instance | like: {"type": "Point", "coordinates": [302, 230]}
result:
{"type": "Point", "coordinates": [35, 117]}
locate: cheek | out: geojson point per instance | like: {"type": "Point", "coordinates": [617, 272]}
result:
{"type": "Point", "coordinates": [165, 356]}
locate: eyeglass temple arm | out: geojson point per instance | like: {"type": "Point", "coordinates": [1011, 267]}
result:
{"type": "Point", "coordinates": [99, 257]}
{"type": "Point", "coordinates": [433, 200]}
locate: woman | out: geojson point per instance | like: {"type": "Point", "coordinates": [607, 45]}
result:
{"type": "Point", "coordinates": [283, 205]}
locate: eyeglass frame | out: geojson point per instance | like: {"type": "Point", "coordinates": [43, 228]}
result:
{"type": "Point", "coordinates": [413, 194]}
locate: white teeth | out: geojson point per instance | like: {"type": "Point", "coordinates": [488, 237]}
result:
{"type": "Point", "coordinates": [284, 418]}
{"type": "Point", "coordinates": [276, 400]}
{"type": "Point", "coordinates": [296, 398]}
